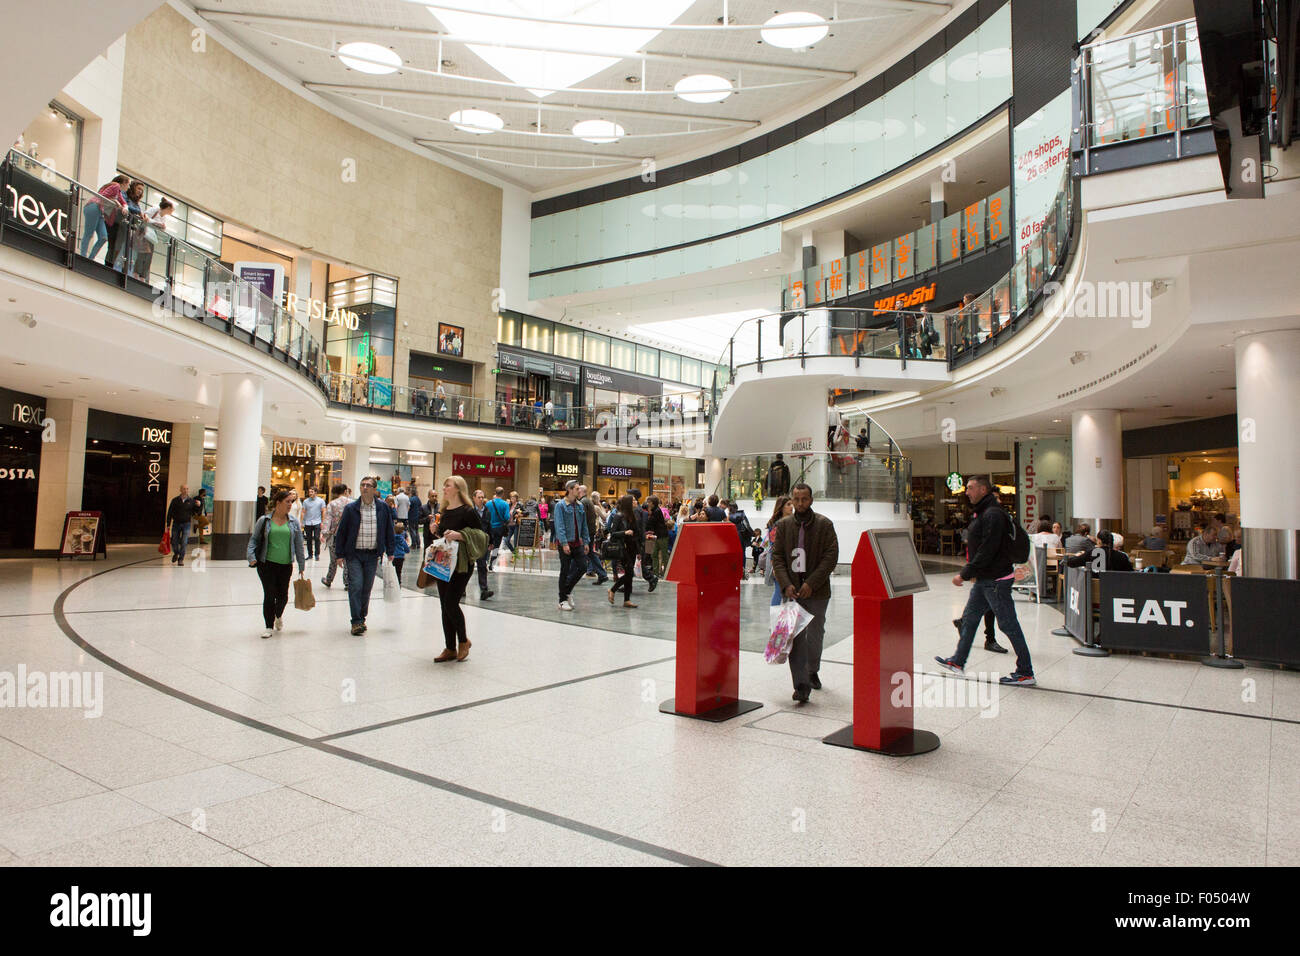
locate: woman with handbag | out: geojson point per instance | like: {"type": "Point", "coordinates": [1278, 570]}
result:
{"type": "Point", "coordinates": [624, 544]}
{"type": "Point", "coordinates": [457, 519]}
{"type": "Point", "coordinates": [784, 506]}
{"type": "Point", "coordinates": [273, 546]}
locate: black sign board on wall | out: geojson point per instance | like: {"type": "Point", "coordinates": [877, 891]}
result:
{"type": "Point", "coordinates": [1165, 613]}
{"type": "Point", "coordinates": [1264, 614]}
{"type": "Point", "coordinates": [35, 207]}
{"type": "Point", "coordinates": [108, 426]}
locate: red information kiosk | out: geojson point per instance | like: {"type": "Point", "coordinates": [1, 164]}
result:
{"type": "Point", "coordinates": [886, 573]}
{"type": "Point", "coordinates": [707, 566]}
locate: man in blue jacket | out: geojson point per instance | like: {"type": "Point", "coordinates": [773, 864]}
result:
{"type": "Point", "coordinates": [990, 565]}
{"type": "Point", "coordinates": [365, 533]}
{"type": "Point", "coordinates": [573, 538]}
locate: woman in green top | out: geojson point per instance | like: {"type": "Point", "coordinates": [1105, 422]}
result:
{"type": "Point", "coordinates": [273, 546]}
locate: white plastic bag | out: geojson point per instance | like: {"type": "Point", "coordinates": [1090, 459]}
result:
{"type": "Point", "coordinates": [392, 586]}
{"type": "Point", "coordinates": [789, 618]}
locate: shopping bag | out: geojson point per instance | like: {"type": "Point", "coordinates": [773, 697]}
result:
{"type": "Point", "coordinates": [788, 620]}
{"type": "Point", "coordinates": [439, 562]}
{"type": "Point", "coordinates": [392, 586]}
{"type": "Point", "coordinates": [303, 599]}
{"type": "Point", "coordinates": [165, 545]}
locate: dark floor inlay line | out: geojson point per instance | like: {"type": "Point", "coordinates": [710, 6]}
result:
{"type": "Point", "coordinates": [491, 700]}
{"type": "Point", "coordinates": [544, 816]}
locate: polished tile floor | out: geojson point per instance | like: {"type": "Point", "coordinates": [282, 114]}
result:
{"type": "Point", "coordinates": [546, 747]}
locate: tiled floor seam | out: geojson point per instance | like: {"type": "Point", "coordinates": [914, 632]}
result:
{"type": "Point", "coordinates": [445, 785]}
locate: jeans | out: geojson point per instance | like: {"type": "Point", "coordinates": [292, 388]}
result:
{"type": "Point", "coordinates": [94, 227]}
{"type": "Point", "coordinates": [986, 594]}
{"type": "Point", "coordinates": [623, 574]}
{"type": "Point", "coordinates": [275, 589]}
{"type": "Point", "coordinates": [595, 566]}
{"type": "Point", "coordinates": [661, 555]}
{"type": "Point", "coordinates": [334, 563]}
{"type": "Point", "coordinates": [360, 579]}
{"type": "Point", "coordinates": [806, 651]}
{"type": "Point", "coordinates": [312, 532]}
{"type": "Point", "coordinates": [482, 565]}
{"type": "Point", "coordinates": [180, 534]}
{"type": "Point", "coordinates": [776, 594]}
{"type": "Point", "coordinates": [572, 567]}
{"type": "Point", "coordinates": [453, 617]}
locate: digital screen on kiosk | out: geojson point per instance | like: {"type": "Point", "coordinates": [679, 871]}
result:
{"type": "Point", "coordinates": [899, 564]}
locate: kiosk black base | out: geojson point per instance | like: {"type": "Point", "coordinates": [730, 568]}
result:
{"type": "Point", "coordinates": [717, 715]}
{"type": "Point", "coordinates": [1230, 663]}
{"type": "Point", "coordinates": [908, 745]}
{"type": "Point", "coordinates": [1091, 650]}
{"type": "Point", "coordinates": [1061, 632]}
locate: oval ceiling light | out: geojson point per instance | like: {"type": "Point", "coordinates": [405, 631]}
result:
{"type": "Point", "coordinates": [598, 131]}
{"type": "Point", "coordinates": [476, 121]}
{"type": "Point", "coordinates": [814, 28]}
{"type": "Point", "coordinates": [703, 88]}
{"type": "Point", "coordinates": [378, 59]}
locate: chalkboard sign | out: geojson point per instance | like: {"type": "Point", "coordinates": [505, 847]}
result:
{"type": "Point", "coordinates": [527, 535]}
{"type": "Point", "coordinates": [83, 535]}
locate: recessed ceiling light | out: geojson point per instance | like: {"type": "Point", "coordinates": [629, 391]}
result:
{"type": "Point", "coordinates": [791, 37]}
{"type": "Point", "coordinates": [598, 131]}
{"type": "Point", "coordinates": [477, 121]}
{"type": "Point", "coordinates": [703, 88]}
{"type": "Point", "coordinates": [378, 59]}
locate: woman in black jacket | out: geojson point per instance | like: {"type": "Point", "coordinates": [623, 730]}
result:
{"type": "Point", "coordinates": [456, 515]}
{"type": "Point", "coordinates": [624, 527]}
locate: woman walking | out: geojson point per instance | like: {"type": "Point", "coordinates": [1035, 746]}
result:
{"type": "Point", "coordinates": [784, 506]}
{"type": "Point", "coordinates": [456, 515]}
{"type": "Point", "coordinates": [624, 527]}
{"type": "Point", "coordinates": [658, 525]}
{"type": "Point", "coordinates": [273, 546]}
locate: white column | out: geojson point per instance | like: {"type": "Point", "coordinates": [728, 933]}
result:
{"type": "Point", "coordinates": [1097, 479]}
{"type": "Point", "coordinates": [63, 470]}
{"type": "Point", "coordinates": [239, 451]}
{"type": "Point", "coordinates": [356, 465]}
{"type": "Point", "coordinates": [186, 463]}
{"type": "Point", "coordinates": [1268, 394]}
{"type": "Point", "coordinates": [714, 477]}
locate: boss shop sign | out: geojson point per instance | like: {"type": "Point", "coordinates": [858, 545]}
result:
{"type": "Point", "coordinates": [1163, 613]}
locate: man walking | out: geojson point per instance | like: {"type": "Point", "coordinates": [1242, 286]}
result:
{"type": "Point", "coordinates": [572, 537]}
{"type": "Point", "coordinates": [312, 510]}
{"type": "Point", "coordinates": [365, 535]}
{"type": "Point", "coordinates": [989, 565]}
{"type": "Point", "coordinates": [402, 501]}
{"type": "Point", "coordinates": [179, 513]}
{"type": "Point", "coordinates": [329, 531]}
{"type": "Point", "coordinates": [595, 522]}
{"type": "Point", "coordinates": [415, 519]}
{"type": "Point", "coordinates": [262, 502]}
{"type": "Point", "coordinates": [481, 565]}
{"type": "Point", "coordinates": [498, 523]}
{"type": "Point", "coordinates": [804, 554]}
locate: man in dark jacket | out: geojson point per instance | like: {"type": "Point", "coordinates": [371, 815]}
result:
{"type": "Point", "coordinates": [778, 478]}
{"type": "Point", "coordinates": [989, 565]}
{"type": "Point", "coordinates": [365, 534]}
{"type": "Point", "coordinates": [481, 565]}
{"type": "Point", "coordinates": [179, 515]}
{"type": "Point", "coordinates": [804, 554]}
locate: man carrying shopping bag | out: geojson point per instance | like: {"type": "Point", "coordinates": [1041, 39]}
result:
{"type": "Point", "coordinates": [804, 554]}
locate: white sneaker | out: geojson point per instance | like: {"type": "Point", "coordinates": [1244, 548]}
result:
{"type": "Point", "coordinates": [266, 634]}
{"type": "Point", "coordinates": [279, 624]}
{"type": "Point", "coordinates": [566, 605]}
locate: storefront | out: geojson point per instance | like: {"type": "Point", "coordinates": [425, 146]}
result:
{"type": "Point", "coordinates": [126, 474]}
{"type": "Point", "coordinates": [298, 465]}
{"type": "Point", "coordinates": [360, 351]}
{"type": "Point", "coordinates": [427, 373]}
{"type": "Point", "coordinates": [20, 462]}
{"type": "Point", "coordinates": [561, 465]}
{"type": "Point", "coordinates": [618, 473]}
{"type": "Point", "coordinates": [398, 469]}
{"type": "Point", "coordinates": [523, 380]}
{"type": "Point", "coordinates": [627, 396]}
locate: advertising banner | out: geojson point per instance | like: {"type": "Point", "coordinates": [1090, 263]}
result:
{"type": "Point", "coordinates": [1167, 613]}
{"type": "Point", "coordinates": [83, 535]}
{"type": "Point", "coordinates": [1264, 612]}
{"type": "Point", "coordinates": [1045, 465]}
{"type": "Point", "coordinates": [1042, 154]}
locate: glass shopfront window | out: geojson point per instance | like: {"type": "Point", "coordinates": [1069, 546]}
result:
{"type": "Point", "coordinates": [126, 474]}
{"type": "Point", "coordinates": [20, 463]}
{"type": "Point", "coordinates": [53, 139]}
{"type": "Point", "coordinates": [363, 356]}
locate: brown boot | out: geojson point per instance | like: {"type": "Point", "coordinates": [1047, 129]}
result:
{"type": "Point", "coordinates": [463, 651]}
{"type": "Point", "coordinates": [447, 655]}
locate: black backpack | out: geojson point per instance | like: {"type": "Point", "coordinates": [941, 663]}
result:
{"type": "Point", "coordinates": [1019, 542]}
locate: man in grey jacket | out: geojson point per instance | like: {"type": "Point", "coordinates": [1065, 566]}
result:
{"type": "Point", "coordinates": [804, 554]}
